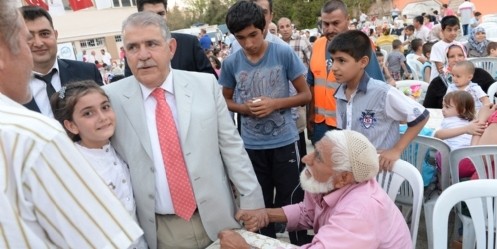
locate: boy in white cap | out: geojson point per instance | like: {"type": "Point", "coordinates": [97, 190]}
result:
{"type": "Point", "coordinates": [343, 203]}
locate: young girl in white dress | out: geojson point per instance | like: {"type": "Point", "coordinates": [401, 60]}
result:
{"type": "Point", "coordinates": [85, 112]}
{"type": "Point", "coordinates": [459, 125]}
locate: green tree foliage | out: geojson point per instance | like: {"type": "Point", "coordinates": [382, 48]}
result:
{"type": "Point", "coordinates": [304, 14]}
{"type": "Point", "coordinates": [178, 19]}
{"type": "Point", "coordinates": [209, 11]}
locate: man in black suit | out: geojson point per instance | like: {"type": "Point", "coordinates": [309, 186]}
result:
{"type": "Point", "coordinates": [50, 73]}
{"type": "Point", "coordinates": [189, 56]}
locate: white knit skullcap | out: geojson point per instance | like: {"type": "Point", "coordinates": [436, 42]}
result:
{"type": "Point", "coordinates": [361, 153]}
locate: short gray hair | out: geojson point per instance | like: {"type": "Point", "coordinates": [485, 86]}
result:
{"type": "Point", "coordinates": [146, 18]}
{"type": "Point", "coordinates": [9, 25]}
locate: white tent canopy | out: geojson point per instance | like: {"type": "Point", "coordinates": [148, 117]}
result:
{"type": "Point", "coordinates": [415, 9]}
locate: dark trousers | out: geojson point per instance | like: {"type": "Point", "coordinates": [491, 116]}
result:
{"type": "Point", "coordinates": [319, 130]}
{"type": "Point", "coordinates": [279, 169]}
{"type": "Point", "coordinates": [302, 148]}
{"type": "Point", "coordinates": [465, 29]}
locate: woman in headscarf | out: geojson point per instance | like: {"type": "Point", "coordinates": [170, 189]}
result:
{"type": "Point", "coordinates": [477, 43]}
{"type": "Point", "coordinates": [438, 86]}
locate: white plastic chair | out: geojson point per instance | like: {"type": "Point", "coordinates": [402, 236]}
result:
{"type": "Point", "coordinates": [488, 64]}
{"type": "Point", "coordinates": [385, 53]}
{"type": "Point", "coordinates": [401, 84]}
{"type": "Point", "coordinates": [392, 181]}
{"type": "Point", "coordinates": [481, 157]}
{"type": "Point", "coordinates": [415, 154]}
{"type": "Point", "coordinates": [387, 48]}
{"type": "Point", "coordinates": [480, 197]}
{"type": "Point", "coordinates": [415, 66]}
{"type": "Point", "coordinates": [491, 92]}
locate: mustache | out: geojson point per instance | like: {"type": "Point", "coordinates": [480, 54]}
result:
{"type": "Point", "coordinates": [144, 64]}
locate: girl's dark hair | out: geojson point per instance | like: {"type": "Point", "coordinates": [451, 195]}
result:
{"type": "Point", "coordinates": [216, 61]}
{"type": "Point", "coordinates": [63, 101]}
{"type": "Point", "coordinates": [464, 104]}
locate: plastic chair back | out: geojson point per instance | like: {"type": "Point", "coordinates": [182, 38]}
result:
{"type": "Point", "coordinates": [416, 67]}
{"type": "Point", "coordinates": [491, 92]}
{"type": "Point", "coordinates": [488, 64]}
{"type": "Point", "coordinates": [483, 158]}
{"type": "Point", "coordinates": [404, 173]}
{"type": "Point", "coordinates": [480, 197]}
{"type": "Point", "coordinates": [415, 154]}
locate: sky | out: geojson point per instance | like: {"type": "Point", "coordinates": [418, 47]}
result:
{"type": "Point", "coordinates": [181, 3]}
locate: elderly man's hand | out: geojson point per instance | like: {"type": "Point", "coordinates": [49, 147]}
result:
{"type": "Point", "coordinates": [388, 158]}
{"type": "Point", "coordinates": [253, 220]}
{"type": "Point", "coordinates": [232, 240]}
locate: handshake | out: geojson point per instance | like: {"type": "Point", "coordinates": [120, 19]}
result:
{"type": "Point", "coordinates": [253, 220]}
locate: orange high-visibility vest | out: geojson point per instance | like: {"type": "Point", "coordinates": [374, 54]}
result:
{"type": "Point", "coordinates": [324, 85]}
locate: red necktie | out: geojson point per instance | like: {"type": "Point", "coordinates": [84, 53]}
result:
{"type": "Point", "coordinates": [177, 176]}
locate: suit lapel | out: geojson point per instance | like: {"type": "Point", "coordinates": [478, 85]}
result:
{"type": "Point", "coordinates": [64, 73]}
{"type": "Point", "coordinates": [183, 95]}
{"type": "Point", "coordinates": [132, 102]}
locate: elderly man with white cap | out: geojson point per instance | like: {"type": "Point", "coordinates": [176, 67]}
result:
{"type": "Point", "coordinates": [343, 203]}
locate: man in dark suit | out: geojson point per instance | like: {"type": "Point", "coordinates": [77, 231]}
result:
{"type": "Point", "coordinates": [189, 56]}
{"type": "Point", "coordinates": [50, 73]}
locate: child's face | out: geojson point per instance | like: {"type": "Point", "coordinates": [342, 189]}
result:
{"type": "Point", "coordinates": [93, 120]}
{"type": "Point", "coordinates": [409, 32]}
{"type": "Point", "coordinates": [493, 52]}
{"type": "Point", "coordinates": [381, 60]}
{"type": "Point", "coordinates": [345, 68]}
{"type": "Point", "coordinates": [251, 39]}
{"type": "Point", "coordinates": [460, 76]}
{"type": "Point", "coordinates": [450, 33]}
{"type": "Point", "coordinates": [449, 110]}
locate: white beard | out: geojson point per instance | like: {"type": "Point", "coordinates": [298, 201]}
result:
{"type": "Point", "coordinates": [309, 184]}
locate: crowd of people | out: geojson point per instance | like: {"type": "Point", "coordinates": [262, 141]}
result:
{"type": "Point", "coordinates": [179, 141]}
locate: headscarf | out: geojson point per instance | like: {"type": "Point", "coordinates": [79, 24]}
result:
{"type": "Point", "coordinates": [478, 46]}
{"type": "Point", "coordinates": [446, 76]}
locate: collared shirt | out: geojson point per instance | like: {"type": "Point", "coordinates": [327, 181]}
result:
{"type": "Point", "coordinates": [39, 90]}
{"type": "Point", "coordinates": [50, 195]}
{"type": "Point", "coordinates": [375, 110]}
{"type": "Point", "coordinates": [163, 200]}
{"type": "Point", "coordinates": [302, 48]}
{"type": "Point", "coordinates": [355, 216]}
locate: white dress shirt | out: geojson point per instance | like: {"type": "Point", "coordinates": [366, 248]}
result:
{"type": "Point", "coordinates": [39, 90]}
{"type": "Point", "coordinates": [163, 200]}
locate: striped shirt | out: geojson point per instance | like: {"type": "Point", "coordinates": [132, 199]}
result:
{"type": "Point", "coordinates": [375, 110]}
{"type": "Point", "coordinates": [302, 48]}
{"type": "Point", "coordinates": [50, 197]}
